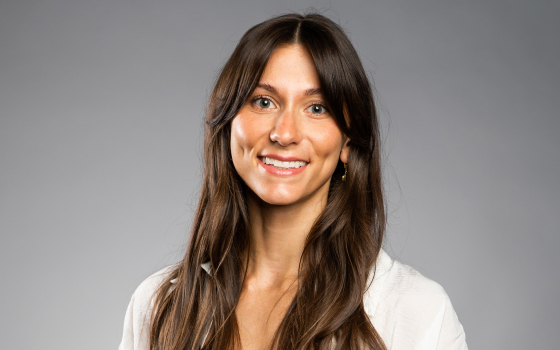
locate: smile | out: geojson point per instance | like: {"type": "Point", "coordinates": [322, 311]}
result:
{"type": "Point", "coordinates": [282, 164]}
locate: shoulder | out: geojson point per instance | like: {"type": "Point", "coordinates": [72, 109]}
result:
{"type": "Point", "coordinates": [411, 286]}
{"type": "Point", "coordinates": [411, 310]}
{"type": "Point", "coordinates": [401, 282]}
{"type": "Point", "coordinates": [137, 318]}
{"type": "Point", "coordinates": [149, 286]}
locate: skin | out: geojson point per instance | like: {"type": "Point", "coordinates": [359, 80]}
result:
{"type": "Point", "coordinates": [283, 117]}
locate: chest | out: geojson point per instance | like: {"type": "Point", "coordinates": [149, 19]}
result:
{"type": "Point", "coordinates": [259, 313]}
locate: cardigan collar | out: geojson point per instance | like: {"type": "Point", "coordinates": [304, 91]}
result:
{"type": "Point", "coordinates": [384, 262]}
{"type": "Point", "coordinates": [207, 267]}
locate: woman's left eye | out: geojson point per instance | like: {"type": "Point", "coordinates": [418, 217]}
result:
{"type": "Point", "coordinates": [316, 109]}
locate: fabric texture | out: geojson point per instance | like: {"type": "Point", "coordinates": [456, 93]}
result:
{"type": "Point", "coordinates": [408, 310]}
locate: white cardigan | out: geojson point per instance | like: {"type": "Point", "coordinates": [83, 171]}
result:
{"type": "Point", "coordinates": [408, 310]}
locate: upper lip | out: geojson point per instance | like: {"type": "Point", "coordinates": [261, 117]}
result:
{"type": "Point", "coordinates": [284, 159]}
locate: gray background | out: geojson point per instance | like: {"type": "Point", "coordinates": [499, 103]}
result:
{"type": "Point", "coordinates": [101, 105]}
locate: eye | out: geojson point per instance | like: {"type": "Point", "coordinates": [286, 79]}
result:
{"type": "Point", "coordinates": [316, 109]}
{"type": "Point", "coordinates": [264, 103]}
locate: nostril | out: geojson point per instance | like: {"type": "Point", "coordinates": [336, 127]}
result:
{"type": "Point", "coordinates": [285, 131]}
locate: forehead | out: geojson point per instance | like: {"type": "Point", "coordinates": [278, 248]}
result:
{"type": "Point", "coordinates": [291, 67]}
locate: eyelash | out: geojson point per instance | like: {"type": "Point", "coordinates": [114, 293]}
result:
{"type": "Point", "coordinates": [259, 97]}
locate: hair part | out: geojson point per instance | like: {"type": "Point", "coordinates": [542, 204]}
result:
{"type": "Point", "coordinates": [342, 246]}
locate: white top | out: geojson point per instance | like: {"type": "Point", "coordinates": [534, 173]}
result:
{"type": "Point", "coordinates": [408, 310]}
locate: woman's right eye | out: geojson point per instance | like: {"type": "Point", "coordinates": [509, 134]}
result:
{"type": "Point", "coordinates": [264, 103]}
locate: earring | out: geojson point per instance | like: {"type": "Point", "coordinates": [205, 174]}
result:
{"type": "Point", "coordinates": [345, 172]}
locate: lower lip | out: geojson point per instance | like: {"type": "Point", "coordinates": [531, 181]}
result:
{"type": "Point", "coordinates": [282, 172]}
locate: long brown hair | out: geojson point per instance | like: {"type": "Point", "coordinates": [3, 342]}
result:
{"type": "Point", "coordinates": [198, 310]}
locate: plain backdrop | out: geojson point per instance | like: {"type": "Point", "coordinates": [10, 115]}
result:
{"type": "Point", "coordinates": [101, 107]}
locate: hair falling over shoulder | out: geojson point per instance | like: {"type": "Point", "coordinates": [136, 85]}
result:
{"type": "Point", "coordinates": [197, 311]}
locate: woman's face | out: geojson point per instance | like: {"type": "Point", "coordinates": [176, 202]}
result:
{"type": "Point", "coordinates": [285, 144]}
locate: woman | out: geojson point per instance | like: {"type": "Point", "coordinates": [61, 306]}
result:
{"type": "Point", "coordinates": [285, 251]}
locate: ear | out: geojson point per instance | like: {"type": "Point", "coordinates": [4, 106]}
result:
{"type": "Point", "coordinates": [345, 150]}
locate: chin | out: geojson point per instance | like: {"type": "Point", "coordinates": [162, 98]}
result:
{"type": "Point", "coordinates": [278, 199]}
{"type": "Point", "coordinates": [279, 196]}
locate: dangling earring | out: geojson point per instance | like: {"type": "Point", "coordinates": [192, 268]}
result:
{"type": "Point", "coordinates": [345, 172]}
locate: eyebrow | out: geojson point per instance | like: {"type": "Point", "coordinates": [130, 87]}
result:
{"type": "Point", "coordinates": [272, 89]}
{"type": "Point", "coordinates": [313, 91]}
{"type": "Point", "coordinates": [267, 87]}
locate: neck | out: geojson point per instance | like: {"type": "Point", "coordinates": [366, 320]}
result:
{"type": "Point", "coordinates": [278, 234]}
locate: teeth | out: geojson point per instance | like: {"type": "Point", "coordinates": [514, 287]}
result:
{"type": "Point", "coordinates": [282, 165]}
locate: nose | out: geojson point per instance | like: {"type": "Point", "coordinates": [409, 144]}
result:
{"type": "Point", "coordinates": [286, 128]}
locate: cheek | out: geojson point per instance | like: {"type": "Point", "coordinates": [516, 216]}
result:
{"type": "Point", "coordinates": [244, 138]}
{"type": "Point", "coordinates": [328, 141]}
{"type": "Point", "coordinates": [237, 134]}
{"type": "Point", "coordinates": [238, 141]}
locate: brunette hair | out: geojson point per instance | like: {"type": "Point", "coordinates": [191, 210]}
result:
{"type": "Point", "coordinates": [336, 267]}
